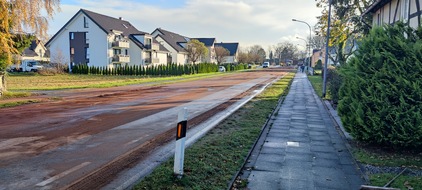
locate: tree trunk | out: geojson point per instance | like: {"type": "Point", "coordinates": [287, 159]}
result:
{"type": "Point", "coordinates": [2, 83]}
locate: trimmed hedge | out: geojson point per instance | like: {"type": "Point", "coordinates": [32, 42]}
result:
{"type": "Point", "coordinates": [381, 96]}
{"type": "Point", "coordinates": [156, 70]}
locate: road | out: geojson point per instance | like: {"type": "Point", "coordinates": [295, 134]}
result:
{"type": "Point", "coordinates": [85, 139]}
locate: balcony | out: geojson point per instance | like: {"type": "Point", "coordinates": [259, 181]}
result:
{"type": "Point", "coordinates": [120, 44]}
{"type": "Point", "coordinates": [154, 46]}
{"type": "Point", "coordinates": [121, 59]}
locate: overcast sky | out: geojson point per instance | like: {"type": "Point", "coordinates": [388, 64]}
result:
{"type": "Point", "coordinates": [249, 22]}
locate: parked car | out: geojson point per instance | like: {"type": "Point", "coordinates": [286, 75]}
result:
{"type": "Point", "coordinates": [266, 65]}
{"type": "Point", "coordinates": [249, 66]}
{"type": "Point", "coordinates": [26, 66]}
{"type": "Point", "coordinates": [221, 69]}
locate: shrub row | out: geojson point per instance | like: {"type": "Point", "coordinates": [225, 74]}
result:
{"type": "Point", "coordinates": [156, 70]}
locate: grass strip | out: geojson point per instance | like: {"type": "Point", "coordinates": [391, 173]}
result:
{"type": "Point", "coordinates": [10, 94]}
{"type": "Point", "coordinates": [390, 159]}
{"type": "Point", "coordinates": [402, 182]}
{"type": "Point", "coordinates": [211, 162]}
{"type": "Point", "coordinates": [316, 81]}
{"type": "Point", "coordinates": [75, 81]}
{"type": "Point", "coordinates": [17, 103]}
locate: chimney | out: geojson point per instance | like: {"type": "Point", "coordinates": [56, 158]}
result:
{"type": "Point", "coordinates": [120, 18]}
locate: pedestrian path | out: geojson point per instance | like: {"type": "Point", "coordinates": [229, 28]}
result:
{"type": "Point", "coordinates": [303, 149]}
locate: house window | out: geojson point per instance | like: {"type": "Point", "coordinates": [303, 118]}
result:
{"type": "Point", "coordinates": [85, 23]}
{"type": "Point", "coordinates": [405, 10]}
{"type": "Point", "coordinates": [72, 36]}
{"type": "Point", "coordinates": [126, 52]}
{"type": "Point", "coordinates": [72, 51]}
{"type": "Point", "coordinates": [87, 53]}
{"type": "Point", "coordinates": [117, 52]}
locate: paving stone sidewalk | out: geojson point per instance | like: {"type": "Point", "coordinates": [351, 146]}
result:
{"type": "Point", "coordinates": [303, 149]}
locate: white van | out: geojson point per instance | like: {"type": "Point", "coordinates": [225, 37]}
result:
{"type": "Point", "coordinates": [26, 66]}
{"type": "Point", "coordinates": [266, 65]}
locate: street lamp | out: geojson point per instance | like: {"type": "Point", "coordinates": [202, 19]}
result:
{"type": "Point", "coordinates": [324, 82]}
{"type": "Point", "coordinates": [306, 44]}
{"type": "Point", "coordinates": [310, 37]}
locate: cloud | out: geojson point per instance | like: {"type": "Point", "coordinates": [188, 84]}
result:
{"type": "Point", "coordinates": [250, 22]}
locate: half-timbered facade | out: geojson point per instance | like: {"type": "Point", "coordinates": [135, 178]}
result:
{"type": "Point", "coordinates": [391, 11]}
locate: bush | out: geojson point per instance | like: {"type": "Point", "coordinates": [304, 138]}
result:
{"type": "Point", "coordinates": [53, 69]}
{"type": "Point", "coordinates": [318, 65]}
{"type": "Point", "coordinates": [381, 98]}
{"type": "Point", "coordinates": [334, 81]}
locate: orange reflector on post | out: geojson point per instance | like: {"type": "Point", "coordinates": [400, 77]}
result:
{"type": "Point", "coordinates": [181, 129]}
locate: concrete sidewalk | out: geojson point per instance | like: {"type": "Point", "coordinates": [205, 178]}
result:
{"type": "Point", "coordinates": [303, 149]}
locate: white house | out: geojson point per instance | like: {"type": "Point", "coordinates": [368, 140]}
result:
{"type": "Point", "coordinates": [99, 40]}
{"type": "Point", "coordinates": [175, 43]}
{"type": "Point", "coordinates": [209, 43]}
{"type": "Point", "coordinates": [233, 49]}
{"type": "Point", "coordinates": [390, 11]}
{"type": "Point", "coordinates": [36, 51]}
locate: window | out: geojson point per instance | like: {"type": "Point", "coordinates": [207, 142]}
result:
{"type": "Point", "coordinates": [85, 23]}
{"type": "Point", "coordinates": [405, 10]}
{"type": "Point", "coordinates": [72, 35]}
{"type": "Point", "coordinates": [117, 52]}
{"type": "Point", "coordinates": [72, 51]}
{"type": "Point", "coordinates": [87, 53]}
{"type": "Point", "coordinates": [126, 52]}
{"type": "Point", "coordinates": [86, 38]}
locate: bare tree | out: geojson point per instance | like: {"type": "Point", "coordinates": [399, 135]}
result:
{"type": "Point", "coordinates": [221, 53]}
{"type": "Point", "coordinates": [196, 50]}
{"type": "Point", "coordinates": [243, 57]}
{"type": "Point", "coordinates": [317, 42]}
{"type": "Point", "coordinates": [285, 51]}
{"type": "Point", "coordinates": [257, 54]}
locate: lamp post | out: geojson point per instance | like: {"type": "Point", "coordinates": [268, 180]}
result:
{"type": "Point", "coordinates": [306, 44]}
{"type": "Point", "coordinates": [324, 82]}
{"type": "Point", "coordinates": [310, 37]}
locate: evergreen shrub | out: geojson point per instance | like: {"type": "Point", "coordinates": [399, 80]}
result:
{"type": "Point", "coordinates": [381, 96]}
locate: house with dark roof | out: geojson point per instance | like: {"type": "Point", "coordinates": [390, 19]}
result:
{"type": "Point", "coordinates": [174, 42]}
{"type": "Point", "coordinates": [209, 43]}
{"type": "Point", "coordinates": [233, 49]}
{"type": "Point", "coordinates": [391, 11]}
{"type": "Point", "coordinates": [94, 39]}
{"type": "Point", "coordinates": [36, 51]}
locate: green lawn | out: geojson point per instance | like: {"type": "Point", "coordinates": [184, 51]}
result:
{"type": "Point", "coordinates": [316, 81]}
{"type": "Point", "coordinates": [214, 160]}
{"type": "Point", "coordinates": [402, 182]}
{"type": "Point", "coordinates": [30, 81]}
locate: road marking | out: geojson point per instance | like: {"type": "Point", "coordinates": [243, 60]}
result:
{"type": "Point", "coordinates": [60, 175]}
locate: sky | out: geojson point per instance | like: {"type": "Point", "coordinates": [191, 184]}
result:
{"type": "Point", "coordinates": [249, 22]}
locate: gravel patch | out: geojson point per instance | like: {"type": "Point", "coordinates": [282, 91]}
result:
{"type": "Point", "coordinates": [370, 169]}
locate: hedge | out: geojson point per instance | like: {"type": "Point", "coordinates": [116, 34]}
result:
{"type": "Point", "coordinates": [156, 70]}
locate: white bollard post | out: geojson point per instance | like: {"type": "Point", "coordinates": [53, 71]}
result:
{"type": "Point", "coordinates": [179, 154]}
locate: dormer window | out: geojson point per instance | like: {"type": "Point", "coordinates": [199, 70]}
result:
{"type": "Point", "coordinates": [86, 23]}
